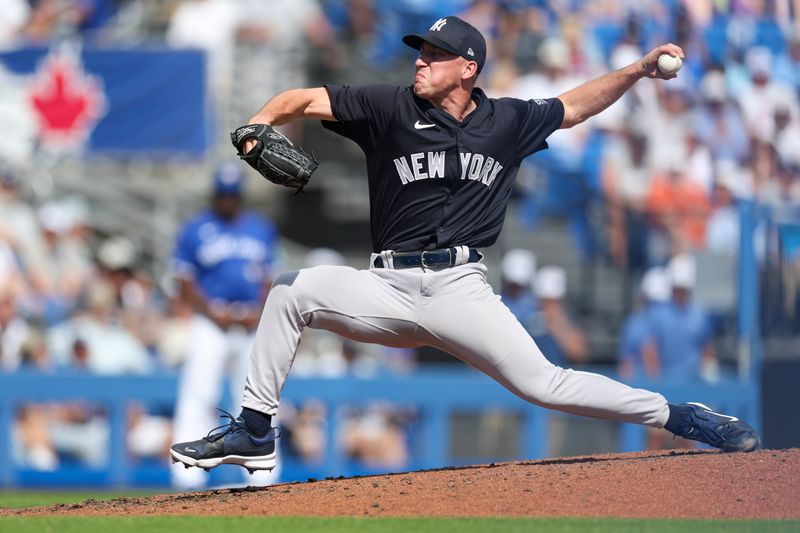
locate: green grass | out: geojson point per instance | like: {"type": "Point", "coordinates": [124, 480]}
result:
{"type": "Point", "coordinates": [32, 498]}
{"type": "Point", "coordinates": [193, 524]}
{"type": "Point", "coordinates": [387, 525]}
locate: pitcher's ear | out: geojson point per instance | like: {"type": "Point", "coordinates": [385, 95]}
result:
{"type": "Point", "coordinates": [470, 70]}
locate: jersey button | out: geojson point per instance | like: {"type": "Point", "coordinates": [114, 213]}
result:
{"type": "Point", "coordinates": [441, 228]}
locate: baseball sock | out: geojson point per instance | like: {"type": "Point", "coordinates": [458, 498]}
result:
{"type": "Point", "coordinates": [255, 422]}
{"type": "Point", "coordinates": [674, 420]}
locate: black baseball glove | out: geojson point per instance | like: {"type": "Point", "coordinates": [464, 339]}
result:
{"type": "Point", "coordinates": [274, 156]}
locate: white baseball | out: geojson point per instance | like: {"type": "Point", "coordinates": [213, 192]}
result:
{"type": "Point", "coordinates": [668, 64]}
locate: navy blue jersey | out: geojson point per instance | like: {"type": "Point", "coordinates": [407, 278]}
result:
{"type": "Point", "coordinates": [435, 182]}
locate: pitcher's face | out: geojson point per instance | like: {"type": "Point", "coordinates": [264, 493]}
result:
{"type": "Point", "coordinates": [437, 71]}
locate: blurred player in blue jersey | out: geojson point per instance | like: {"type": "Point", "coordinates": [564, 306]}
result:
{"type": "Point", "coordinates": [222, 263]}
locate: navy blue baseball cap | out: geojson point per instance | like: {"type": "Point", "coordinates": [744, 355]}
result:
{"type": "Point", "coordinates": [229, 180]}
{"type": "Point", "coordinates": [454, 35]}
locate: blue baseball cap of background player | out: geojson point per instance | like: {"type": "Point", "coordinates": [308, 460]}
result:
{"type": "Point", "coordinates": [454, 35]}
{"type": "Point", "coordinates": [229, 180]}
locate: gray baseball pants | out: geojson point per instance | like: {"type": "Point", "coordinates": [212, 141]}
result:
{"type": "Point", "coordinates": [453, 309]}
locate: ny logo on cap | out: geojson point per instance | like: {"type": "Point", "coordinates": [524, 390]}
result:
{"type": "Point", "coordinates": [438, 25]}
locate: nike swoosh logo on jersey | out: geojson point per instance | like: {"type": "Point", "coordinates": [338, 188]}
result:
{"type": "Point", "coordinates": [418, 126]}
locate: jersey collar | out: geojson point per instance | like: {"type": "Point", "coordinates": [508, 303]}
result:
{"type": "Point", "coordinates": [434, 113]}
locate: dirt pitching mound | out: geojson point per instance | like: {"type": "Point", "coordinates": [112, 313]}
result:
{"type": "Point", "coordinates": [679, 484]}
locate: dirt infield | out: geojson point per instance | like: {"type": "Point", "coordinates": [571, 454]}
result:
{"type": "Point", "coordinates": [679, 484]}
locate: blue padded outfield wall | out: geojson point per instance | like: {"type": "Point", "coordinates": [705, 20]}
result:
{"type": "Point", "coordinates": [434, 395]}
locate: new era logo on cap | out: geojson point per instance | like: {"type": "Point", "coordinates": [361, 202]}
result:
{"type": "Point", "coordinates": [454, 35]}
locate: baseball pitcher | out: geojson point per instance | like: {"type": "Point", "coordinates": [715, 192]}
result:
{"type": "Point", "coordinates": [441, 159]}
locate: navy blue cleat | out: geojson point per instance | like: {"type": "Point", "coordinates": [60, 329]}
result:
{"type": "Point", "coordinates": [231, 444]}
{"type": "Point", "coordinates": [728, 433]}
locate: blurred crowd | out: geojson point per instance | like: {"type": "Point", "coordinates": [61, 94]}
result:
{"type": "Point", "coordinates": [650, 186]}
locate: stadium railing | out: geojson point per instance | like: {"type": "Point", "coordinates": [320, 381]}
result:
{"type": "Point", "coordinates": [434, 395]}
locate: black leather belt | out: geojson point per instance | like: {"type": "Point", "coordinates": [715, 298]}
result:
{"type": "Point", "coordinates": [445, 257]}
